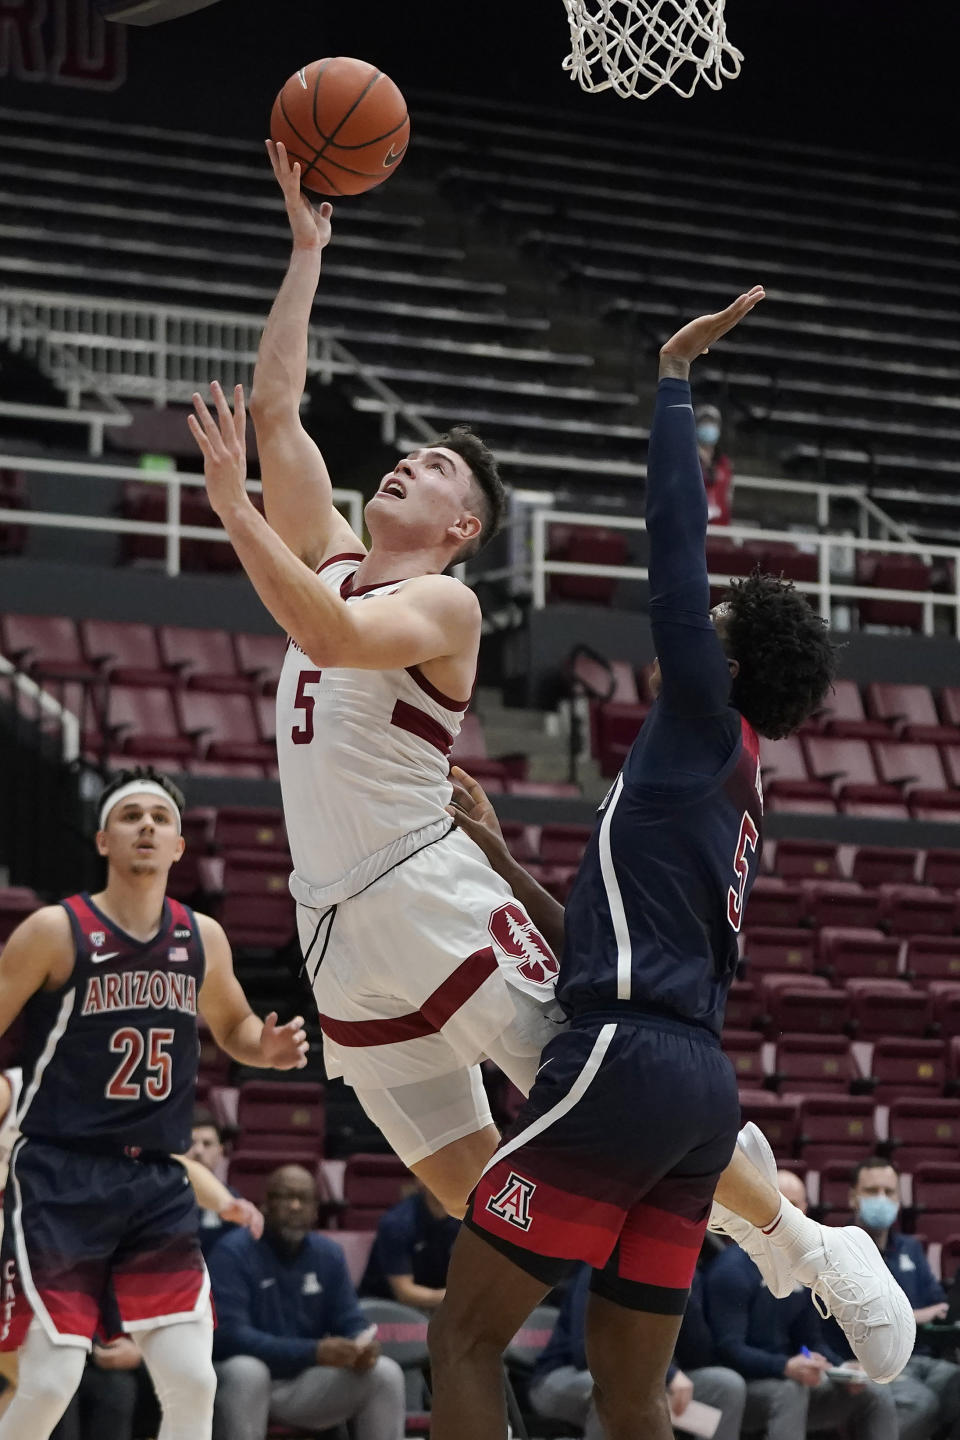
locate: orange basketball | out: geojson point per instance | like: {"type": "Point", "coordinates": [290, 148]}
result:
{"type": "Point", "coordinates": [345, 122]}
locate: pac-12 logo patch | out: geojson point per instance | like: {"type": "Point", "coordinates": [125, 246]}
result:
{"type": "Point", "coordinates": [98, 938]}
{"type": "Point", "coordinates": [512, 1202]}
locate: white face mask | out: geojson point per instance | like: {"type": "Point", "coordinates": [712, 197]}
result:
{"type": "Point", "coordinates": [708, 432]}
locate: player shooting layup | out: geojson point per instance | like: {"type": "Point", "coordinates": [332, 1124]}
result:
{"type": "Point", "coordinates": [100, 1224]}
{"type": "Point", "coordinates": [420, 958]}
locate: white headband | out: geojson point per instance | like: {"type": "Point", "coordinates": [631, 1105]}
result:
{"type": "Point", "coordinates": [137, 787]}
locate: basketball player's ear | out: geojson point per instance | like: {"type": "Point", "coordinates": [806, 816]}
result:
{"type": "Point", "coordinates": [181, 846]}
{"type": "Point", "coordinates": [734, 668]}
{"type": "Point", "coordinates": [468, 527]}
{"type": "Point", "coordinates": [100, 840]}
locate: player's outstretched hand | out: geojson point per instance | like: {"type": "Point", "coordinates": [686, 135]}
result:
{"type": "Point", "coordinates": [696, 337]}
{"type": "Point", "coordinates": [284, 1047]}
{"type": "Point", "coordinates": [310, 228]}
{"type": "Point", "coordinates": [245, 1213]}
{"type": "Point", "coordinates": [224, 448]}
{"type": "Point", "coordinates": [475, 816]}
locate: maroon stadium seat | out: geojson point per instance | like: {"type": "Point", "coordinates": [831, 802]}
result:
{"type": "Point", "coordinates": [884, 865]}
{"type": "Point", "coordinates": [563, 844]}
{"type": "Point", "coordinates": [745, 1051]}
{"type": "Point", "coordinates": [838, 902]}
{"type": "Point", "coordinates": [781, 558]}
{"type": "Point", "coordinates": [787, 779]}
{"type": "Point", "coordinates": [859, 952]}
{"type": "Point", "coordinates": [911, 711]}
{"type": "Point", "coordinates": [941, 806]}
{"type": "Point", "coordinates": [144, 720]}
{"type": "Point", "coordinates": [950, 705]}
{"type": "Point", "coordinates": [776, 1116]}
{"type": "Point", "coordinates": [842, 715]}
{"type": "Point", "coordinates": [252, 829]}
{"type": "Point", "coordinates": [887, 1007]}
{"type": "Point", "coordinates": [945, 1005]}
{"type": "Point", "coordinates": [836, 1182]}
{"type": "Point", "coordinates": [941, 868]}
{"type": "Point", "coordinates": [949, 1259]}
{"type": "Point", "coordinates": [729, 557]}
{"type": "Point", "coordinates": [279, 1112]}
{"type": "Point", "coordinates": [743, 1005]}
{"type": "Point", "coordinates": [587, 545]}
{"type": "Point", "coordinates": [225, 725]}
{"type": "Point", "coordinates": [893, 572]}
{"type": "Point", "coordinates": [836, 1129]}
{"type": "Point", "coordinates": [814, 1065]}
{"type": "Point", "coordinates": [371, 1185]}
{"type": "Point", "coordinates": [260, 659]}
{"type": "Point", "coordinates": [849, 767]}
{"type": "Point", "coordinates": [921, 1129]}
{"type": "Point", "coordinates": [916, 910]}
{"type": "Point", "coordinates": [807, 860]}
{"type": "Point", "coordinates": [257, 907]}
{"type": "Point", "coordinates": [903, 1067]}
{"type": "Point", "coordinates": [126, 651]}
{"type": "Point", "coordinates": [774, 948]}
{"type": "Point", "coordinates": [774, 902]}
{"type": "Point", "coordinates": [936, 1199]}
{"type": "Point", "coordinates": [45, 645]}
{"type": "Point", "coordinates": [204, 658]}
{"type": "Point", "coordinates": [523, 841]}
{"type": "Point", "coordinates": [912, 766]}
{"type": "Point", "coordinates": [932, 957]}
{"type": "Point", "coordinates": [615, 726]}
{"type": "Point", "coordinates": [797, 1005]}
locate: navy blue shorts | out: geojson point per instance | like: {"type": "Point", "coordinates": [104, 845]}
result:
{"type": "Point", "coordinates": [614, 1158]}
{"type": "Point", "coordinates": [97, 1243]}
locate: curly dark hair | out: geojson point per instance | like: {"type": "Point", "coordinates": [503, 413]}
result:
{"type": "Point", "coordinates": [142, 772]}
{"type": "Point", "coordinates": [787, 660]}
{"type": "Point", "coordinates": [490, 497]}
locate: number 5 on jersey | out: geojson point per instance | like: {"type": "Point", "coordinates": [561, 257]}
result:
{"type": "Point", "coordinates": [747, 840]}
{"type": "Point", "coordinates": [303, 734]}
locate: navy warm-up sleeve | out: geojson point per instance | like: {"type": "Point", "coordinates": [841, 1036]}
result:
{"type": "Point", "coordinates": [696, 676]}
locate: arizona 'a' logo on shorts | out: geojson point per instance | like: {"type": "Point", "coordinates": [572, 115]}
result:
{"type": "Point", "coordinates": [512, 1202]}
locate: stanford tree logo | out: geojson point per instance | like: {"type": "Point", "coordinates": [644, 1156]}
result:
{"type": "Point", "coordinates": [512, 1202]}
{"type": "Point", "coordinates": [513, 930]}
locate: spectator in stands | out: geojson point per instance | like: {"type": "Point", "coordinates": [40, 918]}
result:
{"type": "Point", "coordinates": [411, 1253]}
{"type": "Point", "coordinates": [927, 1393]}
{"type": "Point", "coordinates": [292, 1343]}
{"type": "Point", "coordinates": [206, 1148]}
{"type": "Point", "coordinates": [717, 467]}
{"type": "Point", "coordinates": [562, 1386]}
{"type": "Point", "coordinates": [778, 1346]}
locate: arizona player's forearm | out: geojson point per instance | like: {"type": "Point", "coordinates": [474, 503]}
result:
{"type": "Point", "coordinates": [281, 369]}
{"type": "Point", "coordinates": [242, 1043]}
{"type": "Point", "coordinates": [211, 1193]}
{"type": "Point", "coordinates": [309, 612]}
{"type": "Point", "coordinates": [676, 502]}
{"type": "Point", "coordinates": [545, 912]}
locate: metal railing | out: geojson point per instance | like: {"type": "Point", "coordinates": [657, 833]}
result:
{"type": "Point", "coordinates": [172, 530]}
{"type": "Point", "coordinates": [827, 590]}
{"type": "Point", "coordinates": [142, 350]}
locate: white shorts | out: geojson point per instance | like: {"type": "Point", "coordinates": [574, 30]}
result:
{"type": "Point", "coordinates": [431, 968]}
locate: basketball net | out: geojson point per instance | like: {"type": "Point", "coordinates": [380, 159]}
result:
{"type": "Point", "coordinates": [636, 46]}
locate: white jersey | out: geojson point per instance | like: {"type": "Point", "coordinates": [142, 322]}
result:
{"type": "Point", "coordinates": [364, 762]}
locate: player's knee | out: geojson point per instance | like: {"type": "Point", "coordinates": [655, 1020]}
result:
{"type": "Point", "coordinates": [628, 1409]}
{"type": "Point", "coordinates": [197, 1382]}
{"type": "Point", "coordinates": [453, 1337]}
{"type": "Point", "coordinates": [55, 1381]}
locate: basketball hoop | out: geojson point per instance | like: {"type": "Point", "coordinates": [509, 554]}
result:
{"type": "Point", "coordinates": [636, 46]}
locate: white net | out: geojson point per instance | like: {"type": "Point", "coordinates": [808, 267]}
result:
{"type": "Point", "coordinates": [636, 46]}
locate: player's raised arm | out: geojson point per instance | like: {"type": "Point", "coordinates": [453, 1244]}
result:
{"type": "Point", "coordinates": [38, 953]}
{"type": "Point", "coordinates": [694, 669]}
{"type": "Point", "coordinates": [434, 617]}
{"type": "Point", "coordinates": [235, 1028]}
{"type": "Point", "coordinates": [296, 486]}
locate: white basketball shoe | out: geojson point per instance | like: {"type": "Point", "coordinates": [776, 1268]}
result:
{"type": "Point", "coordinates": [841, 1266]}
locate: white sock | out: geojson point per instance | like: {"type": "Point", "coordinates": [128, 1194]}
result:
{"type": "Point", "coordinates": [796, 1235]}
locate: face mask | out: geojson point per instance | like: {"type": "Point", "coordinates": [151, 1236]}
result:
{"type": "Point", "coordinates": [876, 1212]}
{"type": "Point", "coordinates": [708, 432]}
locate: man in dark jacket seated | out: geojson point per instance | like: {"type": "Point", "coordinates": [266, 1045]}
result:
{"type": "Point", "coordinates": [292, 1343]}
{"type": "Point", "coordinates": [411, 1253]}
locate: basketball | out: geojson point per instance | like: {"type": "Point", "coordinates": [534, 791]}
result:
{"type": "Point", "coordinates": [345, 122]}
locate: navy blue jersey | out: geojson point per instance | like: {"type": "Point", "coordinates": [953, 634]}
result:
{"type": "Point", "coordinates": [654, 913]}
{"type": "Point", "coordinates": [113, 1052]}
